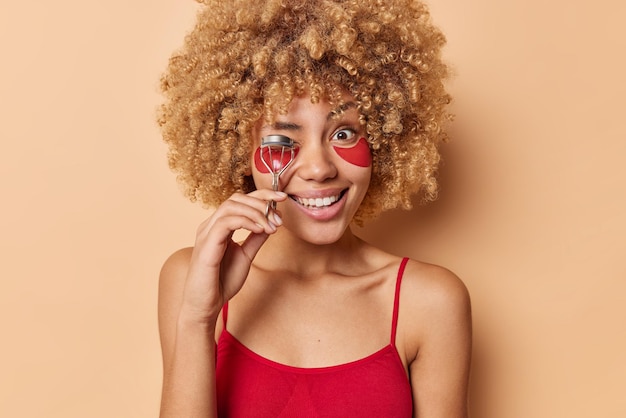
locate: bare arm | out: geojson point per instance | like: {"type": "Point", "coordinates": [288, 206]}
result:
{"type": "Point", "coordinates": [188, 348]}
{"type": "Point", "coordinates": [194, 285]}
{"type": "Point", "coordinates": [440, 371]}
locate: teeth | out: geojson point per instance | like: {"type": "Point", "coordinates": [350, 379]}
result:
{"type": "Point", "coordinates": [318, 202]}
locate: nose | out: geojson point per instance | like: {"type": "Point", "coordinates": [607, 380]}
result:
{"type": "Point", "coordinates": [315, 163]}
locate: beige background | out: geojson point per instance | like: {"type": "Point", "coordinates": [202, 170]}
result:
{"type": "Point", "coordinates": [532, 213]}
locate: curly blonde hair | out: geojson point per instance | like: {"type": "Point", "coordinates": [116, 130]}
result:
{"type": "Point", "coordinates": [245, 60]}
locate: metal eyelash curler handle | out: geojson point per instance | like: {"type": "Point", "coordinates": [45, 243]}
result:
{"type": "Point", "coordinates": [274, 150]}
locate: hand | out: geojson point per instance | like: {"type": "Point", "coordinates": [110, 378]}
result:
{"type": "Point", "coordinates": [219, 266]}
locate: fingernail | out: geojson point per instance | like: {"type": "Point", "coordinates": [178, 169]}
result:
{"type": "Point", "coordinates": [272, 226]}
{"type": "Point", "coordinates": [281, 194]}
{"type": "Point", "coordinates": [277, 219]}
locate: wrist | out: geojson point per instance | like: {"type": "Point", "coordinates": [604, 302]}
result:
{"type": "Point", "coordinates": [190, 319]}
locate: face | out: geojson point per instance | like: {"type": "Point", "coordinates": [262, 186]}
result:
{"type": "Point", "coordinates": [330, 172]}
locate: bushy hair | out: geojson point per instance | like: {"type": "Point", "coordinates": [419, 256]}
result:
{"type": "Point", "coordinates": [247, 60]}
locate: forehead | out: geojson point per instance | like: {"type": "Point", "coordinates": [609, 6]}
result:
{"type": "Point", "coordinates": [305, 107]}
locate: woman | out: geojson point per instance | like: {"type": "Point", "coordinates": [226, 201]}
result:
{"type": "Point", "coordinates": [303, 318]}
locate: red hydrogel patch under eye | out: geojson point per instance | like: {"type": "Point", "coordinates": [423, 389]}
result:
{"type": "Point", "coordinates": [359, 155]}
{"type": "Point", "coordinates": [273, 158]}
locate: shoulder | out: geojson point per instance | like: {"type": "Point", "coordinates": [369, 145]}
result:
{"type": "Point", "coordinates": [434, 302]}
{"type": "Point", "coordinates": [433, 287]}
{"type": "Point", "coordinates": [176, 264]}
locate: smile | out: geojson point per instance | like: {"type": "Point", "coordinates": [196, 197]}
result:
{"type": "Point", "coordinates": [318, 202]}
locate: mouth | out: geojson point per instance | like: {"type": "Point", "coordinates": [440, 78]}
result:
{"type": "Point", "coordinates": [319, 202]}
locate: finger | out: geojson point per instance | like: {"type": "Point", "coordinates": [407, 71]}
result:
{"type": "Point", "coordinates": [252, 244]}
{"type": "Point", "coordinates": [224, 227]}
{"type": "Point", "coordinates": [276, 218]}
{"type": "Point", "coordinates": [237, 215]}
{"type": "Point", "coordinates": [238, 262]}
{"type": "Point", "coordinates": [259, 198]}
{"type": "Point", "coordinates": [272, 215]}
{"type": "Point", "coordinates": [268, 194]}
{"type": "Point", "coordinates": [251, 205]}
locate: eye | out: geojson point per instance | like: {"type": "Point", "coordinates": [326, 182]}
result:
{"type": "Point", "coordinates": [344, 135]}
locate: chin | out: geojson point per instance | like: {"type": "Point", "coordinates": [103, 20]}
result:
{"type": "Point", "coordinates": [325, 234]}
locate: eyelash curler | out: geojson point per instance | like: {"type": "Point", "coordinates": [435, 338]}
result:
{"type": "Point", "coordinates": [277, 153]}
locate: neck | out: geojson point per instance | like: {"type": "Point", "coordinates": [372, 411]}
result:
{"type": "Point", "coordinates": [286, 252]}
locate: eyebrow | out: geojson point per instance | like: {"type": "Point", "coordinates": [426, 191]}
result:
{"type": "Point", "coordinates": [341, 109]}
{"type": "Point", "coordinates": [290, 126]}
{"type": "Point", "coordinates": [286, 126]}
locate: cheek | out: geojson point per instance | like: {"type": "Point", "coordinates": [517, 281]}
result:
{"type": "Point", "coordinates": [275, 159]}
{"type": "Point", "coordinates": [359, 155]}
